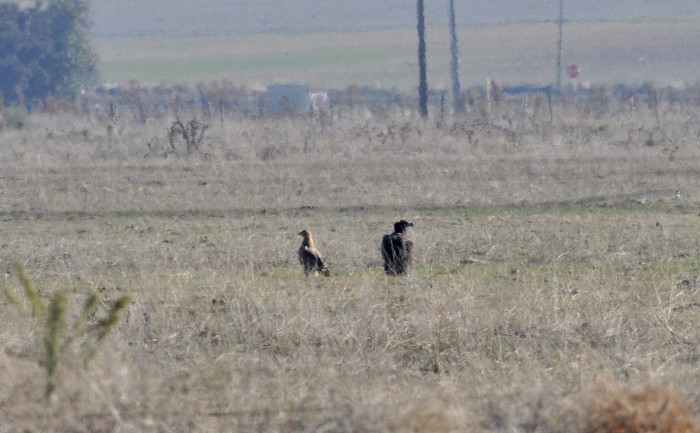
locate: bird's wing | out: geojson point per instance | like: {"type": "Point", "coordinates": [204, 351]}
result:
{"type": "Point", "coordinates": [313, 257]}
{"type": "Point", "coordinates": [409, 252]}
{"type": "Point", "coordinates": [320, 262]}
{"type": "Point", "coordinates": [387, 247]}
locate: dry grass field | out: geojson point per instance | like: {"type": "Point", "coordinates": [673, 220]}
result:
{"type": "Point", "coordinates": [555, 286]}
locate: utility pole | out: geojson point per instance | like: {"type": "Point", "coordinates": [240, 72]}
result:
{"type": "Point", "coordinates": [422, 64]}
{"type": "Point", "coordinates": [561, 25]}
{"type": "Point", "coordinates": [454, 66]}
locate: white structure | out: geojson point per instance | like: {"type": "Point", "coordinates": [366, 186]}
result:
{"type": "Point", "coordinates": [319, 101]}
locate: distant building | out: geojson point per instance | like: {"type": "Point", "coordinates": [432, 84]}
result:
{"type": "Point", "coordinates": [320, 101]}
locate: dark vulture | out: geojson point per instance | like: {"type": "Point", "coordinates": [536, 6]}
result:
{"type": "Point", "coordinates": [310, 258]}
{"type": "Point", "coordinates": [397, 251]}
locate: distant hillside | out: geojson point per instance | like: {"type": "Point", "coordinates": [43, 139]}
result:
{"type": "Point", "coordinates": [187, 18]}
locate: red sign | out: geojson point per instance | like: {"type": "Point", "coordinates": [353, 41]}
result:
{"type": "Point", "coordinates": [573, 71]}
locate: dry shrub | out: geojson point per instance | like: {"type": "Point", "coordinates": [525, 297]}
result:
{"type": "Point", "coordinates": [606, 409]}
{"type": "Point", "coordinates": [190, 133]}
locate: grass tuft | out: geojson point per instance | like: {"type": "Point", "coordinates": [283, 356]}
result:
{"type": "Point", "coordinates": [50, 320]}
{"type": "Point", "coordinates": [53, 339]}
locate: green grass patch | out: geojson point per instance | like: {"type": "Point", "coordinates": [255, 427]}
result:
{"type": "Point", "coordinates": [199, 68]}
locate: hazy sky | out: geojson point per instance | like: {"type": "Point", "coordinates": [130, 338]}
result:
{"type": "Point", "coordinates": [168, 18]}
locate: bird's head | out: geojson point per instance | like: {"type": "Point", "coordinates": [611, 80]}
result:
{"type": "Point", "coordinates": [400, 226]}
{"type": "Point", "coordinates": [305, 234]}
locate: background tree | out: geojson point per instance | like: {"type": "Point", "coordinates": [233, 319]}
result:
{"type": "Point", "coordinates": [422, 64]}
{"type": "Point", "coordinates": [45, 50]}
{"type": "Point", "coordinates": [14, 67]}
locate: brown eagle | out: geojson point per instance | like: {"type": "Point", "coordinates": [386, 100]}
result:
{"type": "Point", "coordinates": [397, 251]}
{"type": "Point", "coordinates": [310, 258]}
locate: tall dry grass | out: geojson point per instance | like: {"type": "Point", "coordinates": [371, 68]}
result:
{"type": "Point", "coordinates": [548, 255]}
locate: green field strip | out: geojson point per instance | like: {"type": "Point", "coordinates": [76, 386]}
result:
{"type": "Point", "coordinates": [169, 67]}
